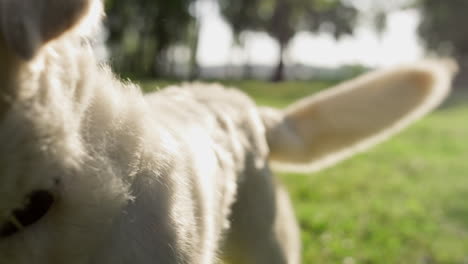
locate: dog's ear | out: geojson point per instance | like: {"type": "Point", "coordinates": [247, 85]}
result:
{"type": "Point", "coordinates": [28, 24]}
{"type": "Point", "coordinates": [321, 130]}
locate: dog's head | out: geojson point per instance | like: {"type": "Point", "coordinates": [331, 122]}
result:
{"type": "Point", "coordinates": [41, 150]}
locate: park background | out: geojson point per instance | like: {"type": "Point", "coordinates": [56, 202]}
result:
{"type": "Point", "coordinates": [405, 201]}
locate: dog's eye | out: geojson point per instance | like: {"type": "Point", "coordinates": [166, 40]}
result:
{"type": "Point", "coordinates": [39, 203]}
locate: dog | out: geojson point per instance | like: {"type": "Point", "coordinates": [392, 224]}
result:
{"type": "Point", "coordinates": [93, 171]}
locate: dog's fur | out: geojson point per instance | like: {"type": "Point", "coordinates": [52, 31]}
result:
{"type": "Point", "coordinates": [178, 176]}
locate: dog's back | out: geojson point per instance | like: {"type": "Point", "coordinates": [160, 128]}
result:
{"type": "Point", "coordinates": [222, 140]}
{"type": "Point", "coordinates": [217, 135]}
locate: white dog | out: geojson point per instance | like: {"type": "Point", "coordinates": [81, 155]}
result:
{"type": "Point", "coordinates": [92, 171]}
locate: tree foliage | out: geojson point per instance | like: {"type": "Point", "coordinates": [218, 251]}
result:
{"type": "Point", "coordinates": [442, 24]}
{"type": "Point", "coordinates": [442, 31]}
{"type": "Point", "coordinates": [143, 30]}
{"type": "Point", "coordinates": [283, 18]}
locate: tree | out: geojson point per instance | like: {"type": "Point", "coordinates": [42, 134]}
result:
{"type": "Point", "coordinates": [441, 30]}
{"type": "Point", "coordinates": [283, 18]}
{"type": "Point", "coordinates": [242, 15]}
{"type": "Point", "coordinates": [143, 30]}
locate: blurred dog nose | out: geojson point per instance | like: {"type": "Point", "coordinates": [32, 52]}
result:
{"type": "Point", "coordinates": [38, 204]}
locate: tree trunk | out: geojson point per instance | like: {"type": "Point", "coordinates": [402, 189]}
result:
{"type": "Point", "coordinates": [157, 67]}
{"type": "Point", "coordinates": [278, 75]}
{"type": "Point", "coordinates": [194, 67]}
{"type": "Point", "coordinates": [461, 80]}
{"type": "Point", "coordinates": [247, 73]}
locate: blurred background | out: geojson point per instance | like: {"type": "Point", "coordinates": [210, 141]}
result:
{"type": "Point", "coordinates": [403, 202]}
{"type": "Point", "coordinates": [278, 39]}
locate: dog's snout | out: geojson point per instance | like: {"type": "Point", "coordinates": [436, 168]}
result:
{"type": "Point", "coordinates": [37, 205]}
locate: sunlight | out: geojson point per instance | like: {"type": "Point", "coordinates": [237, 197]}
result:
{"type": "Point", "coordinates": [397, 44]}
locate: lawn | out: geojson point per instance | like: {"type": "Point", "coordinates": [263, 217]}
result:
{"type": "Point", "coordinates": [405, 201]}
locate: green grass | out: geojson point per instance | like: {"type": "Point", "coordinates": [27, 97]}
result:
{"type": "Point", "coordinates": [406, 201]}
{"type": "Point", "coordinates": [273, 94]}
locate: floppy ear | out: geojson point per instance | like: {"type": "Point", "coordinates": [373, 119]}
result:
{"type": "Point", "coordinates": [321, 130]}
{"type": "Point", "coordinates": [28, 24]}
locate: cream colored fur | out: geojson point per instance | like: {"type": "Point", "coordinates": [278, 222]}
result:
{"type": "Point", "coordinates": [177, 176]}
{"type": "Point", "coordinates": [322, 129]}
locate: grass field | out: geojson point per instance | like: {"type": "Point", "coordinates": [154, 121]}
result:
{"type": "Point", "coordinates": [406, 201]}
